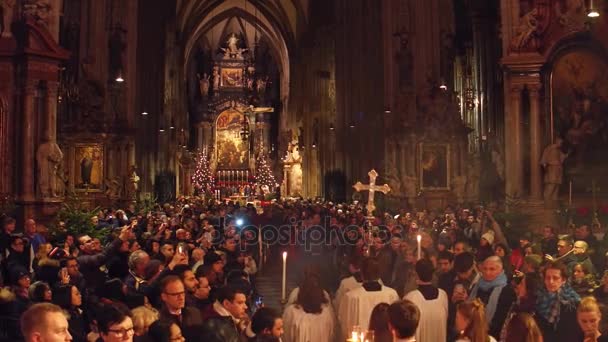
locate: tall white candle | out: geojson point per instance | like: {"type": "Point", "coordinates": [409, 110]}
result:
{"type": "Point", "coordinates": [419, 239]}
{"type": "Point", "coordinates": [284, 276]}
{"type": "Point", "coordinates": [570, 194]}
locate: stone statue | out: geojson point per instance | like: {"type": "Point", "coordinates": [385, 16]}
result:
{"type": "Point", "coordinates": [86, 167]}
{"type": "Point", "coordinates": [48, 158]}
{"type": "Point", "coordinates": [410, 186]}
{"type": "Point", "coordinates": [38, 9]}
{"type": "Point", "coordinates": [459, 184]}
{"type": "Point", "coordinates": [203, 83]}
{"type": "Point", "coordinates": [552, 161]}
{"type": "Point", "coordinates": [6, 17]}
{"type": "Point", "coordinates": [525, 37]}
{"type": "Point", "coordinates": [61, 181]}
{"type": "Point", "coordinates": [233, 51]}
{"type": "Point", "coordinates": [261, 85]}
{"type": "Point", "coordinates": [132, 183]}
{"type": "Point", "coordinates": [216, 79]}
{"type": "Point", "coordinates": [113, 188]}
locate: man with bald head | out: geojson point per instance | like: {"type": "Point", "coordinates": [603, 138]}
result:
{"type": "Point", "coordinates": [494, 291]}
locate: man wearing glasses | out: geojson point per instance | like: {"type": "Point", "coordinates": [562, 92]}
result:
{"type": "Point", "coordinates": [115, 324]}
{"type": "Point", "coordinates": [91, 262]}
{"type": "Point", "coordinates": [174, 309]}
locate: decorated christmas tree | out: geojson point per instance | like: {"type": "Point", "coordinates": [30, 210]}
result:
{"type": "Point", "coordinates": [202, 179]}
{"type": "Point", "coordinates": [264, 177]}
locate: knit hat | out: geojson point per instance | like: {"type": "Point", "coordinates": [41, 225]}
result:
{"type": "Point", "coordinates": [488, 236]}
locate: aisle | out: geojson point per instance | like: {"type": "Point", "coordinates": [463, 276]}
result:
{"type": "Point", "coordinates": [269, 285]}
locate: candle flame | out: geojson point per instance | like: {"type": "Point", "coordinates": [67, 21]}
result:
{"type": "Point", "coordinates": [418, 237]}
{"type": "Point", "coordinates": [284, 255]}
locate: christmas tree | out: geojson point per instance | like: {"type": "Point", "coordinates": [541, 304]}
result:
{"type": "Point", "coordinates": [264, 175]}
{"type": "Point", "coordinates": [202, 179]}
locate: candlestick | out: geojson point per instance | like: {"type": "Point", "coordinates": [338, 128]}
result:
{"type": "Point", "coordinates": [419, 239]}
{"type": "Point", "coordinates": [570, 195]}
{"type": "Point", "coordinates": [284, 276]}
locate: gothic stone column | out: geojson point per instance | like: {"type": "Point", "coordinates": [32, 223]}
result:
{"type": "Point", "coordinates": [27, 169]}
{"type": "Point", "coordinates": [513, 130]}
{"type": "Point", "coordinates": [207, 134]}
{"type": "Point", "coordinates": [535, 142]}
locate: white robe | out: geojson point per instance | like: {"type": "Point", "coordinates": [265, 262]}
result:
{"type": "Point", "coordinates": [300, 326]}
{"type": "Point", "coordinates": [293, 296]}
{"type": "Point", "coordinates": [357, 305]}
{"type": "Point", "coordinates": [433, 316]}
{"type": "Point", "coordinates": [346, 285]}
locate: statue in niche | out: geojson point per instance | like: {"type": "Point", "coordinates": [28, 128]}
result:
{"type": "Point", "coordinates": [552, 161]}
{"type": "Point", "coordinates": [232, 51]}
{"type": "Point", "coordinates": [114, 187]}
{"type": "Point", "coordinates": [215, 75]}
{"type": "Point", "coordinates": [38, 9]}
{"type": "Point", "coordinates": [132, 183]}
{"type": "Point", "coordinates": [262, 82]}
{"type": "Point", "coordinates": [61, 181]}
{"type": "Point", "coordinates": [525, 38]}
{"type": "Point", "coordinates": [405, 60]}
{"type": "Point", "coordinates": [48, 158]}
{"type": "Point", "coordinates": [293, 163]}
{"type": "Point", "coordinates": [7, 8]}
{"type": "Point", "coordinates": [203, 84]}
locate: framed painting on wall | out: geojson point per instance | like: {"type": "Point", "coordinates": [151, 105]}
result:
{"type": "Point", "coordinates": [231, 78]}
{"type": "Point", "coordinates": [88, 167]}
{"type": "Point", "coordinates": [434, 166]}
{"type": "Point", "coordinates": [232, 151]}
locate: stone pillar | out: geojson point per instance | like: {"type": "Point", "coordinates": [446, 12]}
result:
{"type": "Point", "coordinates": [535, 142]}
{"type": "Point", "coordinates": [27, 190]}
{"type": "Point", "coordinates": [207, 134]}
{"type": "Point", "coordinates": [199, 136]}
{"type": "Point", "coordinates": [514, 157]}
{"type": "Point", "coordinates": [51, 118]}
{"type": "Point", "coordinates": [264, 129]}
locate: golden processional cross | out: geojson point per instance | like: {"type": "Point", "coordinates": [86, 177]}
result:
{"type": "Point", "coordinates": [372, 188]}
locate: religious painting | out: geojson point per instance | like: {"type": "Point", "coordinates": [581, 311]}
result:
{"type": "Point", "coordinates": [88, 167]}
{"type": "Point", "coordinates": [434, 166]}
{"type": "Point", "coordinates": [579, 95]}
{"type": "Point", "coordinates": [232, 151]}
{"type": "Point", "coordinates": [232, 77]}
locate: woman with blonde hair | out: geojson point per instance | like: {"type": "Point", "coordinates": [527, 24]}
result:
{"type": "Point", "coordinates": [523, 328]}
{"type": "Point", "coordinates": [143, 317]}
{"type": "Point", "coordinates": [589, 316]}
{"type": "Point", "coordinates": [471, 322]}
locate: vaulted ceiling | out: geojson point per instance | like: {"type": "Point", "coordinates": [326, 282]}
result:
{"type": "Point", "coordinates": [202, 23]}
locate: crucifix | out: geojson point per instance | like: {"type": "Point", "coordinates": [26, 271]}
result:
{"type": "Point", "coordinates": [372, 188]}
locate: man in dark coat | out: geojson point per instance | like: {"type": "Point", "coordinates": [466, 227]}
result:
{"type": "Point", "coordinates": [226, 319]}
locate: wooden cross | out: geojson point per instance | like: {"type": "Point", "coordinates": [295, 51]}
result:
{"type": "Point", "coordinates": [372, 188]}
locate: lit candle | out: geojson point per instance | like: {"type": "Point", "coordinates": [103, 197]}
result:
{"type": "Point", "coordinates": [419, 239]}
{"type": "Point", "coordinates": [353, 336]}
{"type": "Point", "coordinates": [284, 276]}
{"type": "Point", "coordinates": [570, 195]}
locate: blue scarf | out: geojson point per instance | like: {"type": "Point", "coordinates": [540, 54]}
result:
{"type": "Point", "coordinates": [548, 304]}
{"type": "Point", "coordinates": [485, 285]}
{"type": "Point", "coordinates": [496, 287]}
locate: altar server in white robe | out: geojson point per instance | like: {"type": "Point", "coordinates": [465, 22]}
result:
{"type": "Point", "coordinates": [349, 283]}
{"type": "Point", "coordinates": [432, 302]}
{"type": "Point", "coordinates": [357, 304]}
{"type": "Point", "coordinates": [311, 317]}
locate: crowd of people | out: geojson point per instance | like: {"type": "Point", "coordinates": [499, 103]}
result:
{"type": "Point", "coordinates": [186, 271]}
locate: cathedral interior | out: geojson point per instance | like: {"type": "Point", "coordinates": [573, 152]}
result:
{"type": "Point", "coordinates": [450, 101]}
